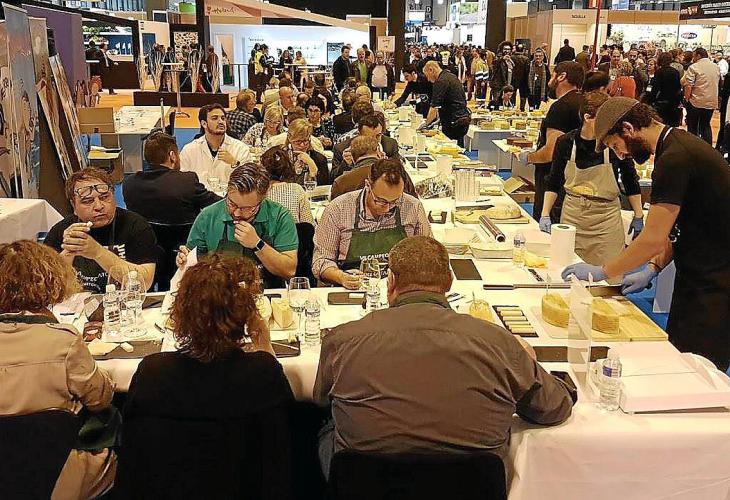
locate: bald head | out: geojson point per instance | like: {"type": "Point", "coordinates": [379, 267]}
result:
{"type": "Point", "coordinates": [432, 70]}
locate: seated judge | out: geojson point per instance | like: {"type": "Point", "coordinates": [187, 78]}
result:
{"type": "Point", "coordinates": [343, 122]}
{"type": "Point", "coordinates": [214, 154]}
{"type": "Point", "coordinates": [247, 223]}
{"type": "Point", "coordinates": [163, 193]}
{"type": "Point", "coordinates": [258, 136]}
{"type": "Point", "coordinates": [504, 99]}
{"type": "Point", "coordinates": [368, 125]}
{"type": "Point", "coordinates": [281, 139]}
{"type": "Point", "coordinates": [366, 223]}
{"type": "Point", "coordinates": [99, 238]}
{"type": "Point", "coordinates": [372, 371]}
{"type": "Point", "coordinates": [365, 152]}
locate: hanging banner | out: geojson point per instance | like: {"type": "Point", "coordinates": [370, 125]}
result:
{"type": "Point", "coordinates": [69, 110]}
{"type": "Point", "coordinates": [704, 10]}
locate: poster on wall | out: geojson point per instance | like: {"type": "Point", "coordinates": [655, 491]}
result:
{"type": "Point", "coordinates": [47, 93]}
{"type": "Point", "coordinates": [334, 50]}
{"type": "Point", "coordinates": [69, 110]}
{"type": "Point", "coordinates": [25, 152]}
{"type": "Point", "coordinates": [9, 181]}
{"type": "Point", "coordinates": [313, 51]}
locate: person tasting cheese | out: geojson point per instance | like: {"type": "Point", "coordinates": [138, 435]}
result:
{"type": "Point", "coordinates": [591, 189]}
{"type": "Point", "coordinates": [687, 222]}
{"type": "Point", "coordinates": [100, 239]}
{"type": "Point", "coordinates": [247, 223]}
{"type": "Point", "coordinates": [366, 223]}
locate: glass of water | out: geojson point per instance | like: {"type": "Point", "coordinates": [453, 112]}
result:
{"type": "Point", "coordinates": [299, 293]}
{"type": "Point", "coordinates": [214, 184]}
{"type": "Point", "coordinates": [310, 182]}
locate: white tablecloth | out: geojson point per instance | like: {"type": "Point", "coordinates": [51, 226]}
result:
{"type": "Point", "coordinates": [24, 219]}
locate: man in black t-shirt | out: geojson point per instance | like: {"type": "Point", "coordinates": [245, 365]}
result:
{"type": "Point", "coordinates": [563, 116]}
{"type": "Point", "coordinates": [100, 238]}
{"type": "Point", "coordinates": [418, 87]}
{"type": "Point", "coordinates": [448, 102]}
{"type": "Point", "coordinates": [687, 222]}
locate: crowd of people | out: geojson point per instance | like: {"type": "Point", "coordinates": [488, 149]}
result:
{"type": "Point", "coordinates": [242, 185]}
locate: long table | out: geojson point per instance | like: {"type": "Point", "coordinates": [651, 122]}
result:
{"type": "Point", "coordinates": [593, 454]}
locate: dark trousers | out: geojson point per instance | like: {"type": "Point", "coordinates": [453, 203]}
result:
{"type": "Point", "coordinates": [534, 101]}
{"type": "Point", "coordinates": [671, 114]}
{"type": "Point", "coordinates": [541, 173]}
{"type": "Point", "coordinates": [698, 122]}
{"type": "Point", "coordinates": [457, 130]}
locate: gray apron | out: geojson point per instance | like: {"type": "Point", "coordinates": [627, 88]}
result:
{"type": "Point", "coordinates": [592, 206]}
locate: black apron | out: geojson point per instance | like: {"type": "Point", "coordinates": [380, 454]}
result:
{"type": "Point", "coordinates": [699, 318]}
{"type": "Point", "coordinates": [228, 247]}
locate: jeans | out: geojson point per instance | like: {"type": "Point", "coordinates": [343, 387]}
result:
{"type": "Point", "coordinates": [698, 122]}
{"type": "Point", "coordinates": [326, 447]}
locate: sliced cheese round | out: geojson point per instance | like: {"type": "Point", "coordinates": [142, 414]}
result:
{"type": "Point", "coordinates": [555, 310]}
{"type": "Point", "coordinates": [503, 212]}
{"type": "Point", "coordinates": [605, 318]}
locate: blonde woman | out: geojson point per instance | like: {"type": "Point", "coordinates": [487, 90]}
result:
{"type": "Point", "coordinates": [258, 135]}
{"type": "Point", "coordinates": [304, 158]}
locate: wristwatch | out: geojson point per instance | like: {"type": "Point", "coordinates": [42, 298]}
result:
{"type": "Point", "coordinates": [259, 246]}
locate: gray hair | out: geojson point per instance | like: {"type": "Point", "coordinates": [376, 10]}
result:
{"type": "Point", "coordinates": [249, 177]}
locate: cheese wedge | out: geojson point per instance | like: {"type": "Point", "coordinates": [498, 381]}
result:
{"type": "Point", "coordinates": [504, 212]}
{"type": "Point", "coordinates": [480, 309]}
{"type": "Point", "coordinates": [605, 319]}
{"type": "Point", "coordinates": [555, 310]}
{"type": "Point", "coordinates": [283, 314]}
{"type": "Point", "coordinates": [534, 261]}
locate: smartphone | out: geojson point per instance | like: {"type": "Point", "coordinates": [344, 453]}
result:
{"type": "Point", "coordinates": [152, 302]}
{"type": "Point", "coordinates": [345, 298]}
{"type": "Point", "coordinates": [464, 269]}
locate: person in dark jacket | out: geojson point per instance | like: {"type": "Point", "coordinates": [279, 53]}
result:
{"type": "Point", "coordinates": [664, 93]}
{"type": "Point", "coordinates": [503, 73]}
{"type": "Point", "coordinates": [163, 193]}
{"type": "Point", "coordinates": [566, 53]}
{"type": "Point", "coordinates": [343, 122]}
{"type": "Point", "coordinates": [418, 89]}
{"type": "Point", "coordinates": [519, 79]}
{"type": "Point", "coordinates": [381, 76]}
{"type": "Point", "coordinates": [342, 69]}
{"type": "Point", "coordinates": [210, 420]}
{"type": "Point", "coordinates": [538, 76]}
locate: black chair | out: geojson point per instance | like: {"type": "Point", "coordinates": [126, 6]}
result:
{"type": "Point", "coordinates": [170, 127]}
{"type": "Point", "coordinates": [409, 476]}
{"type": "Point", "coordinates": [33, 450]}
{"type": "Point", "coordinates": [169, 239]}
{"type": "Point", "coordinates": [305, 232]}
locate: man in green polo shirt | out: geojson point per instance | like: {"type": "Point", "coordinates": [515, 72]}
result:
{"type": "Point", "coordinates": [247, 223]}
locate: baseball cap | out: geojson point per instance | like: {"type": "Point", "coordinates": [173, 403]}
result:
{"type": "Point", "coordinates": [609, 114]}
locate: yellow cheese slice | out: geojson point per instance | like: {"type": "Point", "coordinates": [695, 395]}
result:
{"type": "Point", "coordinates": [283, 314]}
{"type": "Point", "coordinates": [555, 310]}
{"type": "Point", "coordinates": [534, 261]}
{"type": "Point", "coordinates": [480, 309]}
{"type": "Point", "coordinates": [504, 212]}
{"type": "Point", "coordinates": [605, 319]}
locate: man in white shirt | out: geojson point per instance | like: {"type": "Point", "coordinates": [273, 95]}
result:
{"type": "Point", "coordinates": [702, 82]}
{"type": "Point", "coordinates": [215, 154]}
{"type": "Point", "coordinates": [721, 63]}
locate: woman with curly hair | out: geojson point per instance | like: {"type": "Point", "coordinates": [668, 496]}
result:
{"type": "Point", "coordinates": [46, 365]}
{"type": "Point", "coordinates": [209, 420]}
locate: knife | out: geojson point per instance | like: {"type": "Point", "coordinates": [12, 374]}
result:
{"type": "Point", "coordinates": [596, 291]}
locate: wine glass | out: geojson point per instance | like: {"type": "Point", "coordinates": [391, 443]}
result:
{"type": "Point", "coordinates": [310, 182]}
{"type": "Point", "coordinates": [299, 292]}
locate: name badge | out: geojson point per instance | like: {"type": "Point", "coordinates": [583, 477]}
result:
{"type": "Point", "coordinates": [648, 89]}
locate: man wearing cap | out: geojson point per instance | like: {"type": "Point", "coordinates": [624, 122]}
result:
{"type": "Point", "coordinates": [687, 222]}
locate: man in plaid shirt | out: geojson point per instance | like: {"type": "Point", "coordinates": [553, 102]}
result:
{"type": "Point", "coordinates": [241, 119]}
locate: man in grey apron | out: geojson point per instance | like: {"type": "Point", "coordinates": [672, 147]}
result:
{"type": "Point", "coordinates": [687, 222]}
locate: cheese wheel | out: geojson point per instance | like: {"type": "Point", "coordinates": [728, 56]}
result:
{"type": "Point", "coordinates": [283, 315]}
{"type": "Point", "coordinates": [605, 319]}
{"type": "Point", "coordinates": [555, 310]}
{"type": "Point", "coordinates": [504, 212]}
{"type": "Point", "coordinates": [480, 309]}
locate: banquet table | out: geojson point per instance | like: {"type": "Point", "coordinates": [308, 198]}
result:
{"type": "Point", "coordinates": [132, 124]}
{"type": "Point", "coordinates": [23, 219]}
{"type": "Point", "coordinates": [596, 454]}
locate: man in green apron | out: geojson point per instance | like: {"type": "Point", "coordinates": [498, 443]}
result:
{"type": "Point", "coordinates": [590, 181]}
{"type": "Point", "coordinates": [366, 223]}
{"type": "Point", "coordinates": [687, 222]}
{"type": "Point", "coordinates": [246, 223]}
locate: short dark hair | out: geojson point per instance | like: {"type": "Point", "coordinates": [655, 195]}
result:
{"type": "Point", "coordinates": [348, 99]}
{"type": "Point", "coordinates": [420, 262]}
{"type": "Point", "coordinates": [575, 74]}
{"type": "Point", "coordinates": [595, 80]}
{"type": "Point", "coordinates": [640, 116]}
{"type": "Point", "coordinates": [591, 102]}
{"type": "Point", "coordinates": [370, 121]}
{"type": "Point", "coordinates": [342, 50]}
{"type": "Point", "coordinates": [278, 165]}
{"type": "Point", "coordinates": [409, 68]}
{"type": "Point", "coordinates": [701, 51]}
{"type": "Point", "coordinates": [390, 169]}
{"type": "Point", "coordinates": [248, 178]}
{"type": "Point", "coordinates": [664, 59]}
{"type": "Point", "coordinates": [157, 148]}
{"type": "Point", "coordinates": [285, 82]}
{"type": "Point", "coordinates": [360, 109]}
{"type": "Point", "coordinates": [508, 88]}
{"type": "Point", "coordinates": [566, 41]}
{"type": "Point", "coordinates": [89, 173]}
{"type": "Point", "coordinates": [317, 102]}
{"type": "Point", "coordinates": [203, 113]}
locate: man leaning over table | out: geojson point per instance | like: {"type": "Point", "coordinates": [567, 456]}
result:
{"type": "Point", "coordinates": [472, 375]}
{"type": "Point", "coordinates": [214, 154]}
{"type": "Point", "coordinates": [366, 223]}
{"type": "Point", "coordinates": [246, 223]}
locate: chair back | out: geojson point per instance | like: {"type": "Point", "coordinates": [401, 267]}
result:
{"type": "Point", "coordinates": [33, 450]}
{"type": "Point", "coordinates": [169, 239]}
{"type": "Point", "coordinates": [170, 127]}
{"type": "Point", "coordinates": [305, 232]}
{"type": "Point", "coordinates": [358, 475]}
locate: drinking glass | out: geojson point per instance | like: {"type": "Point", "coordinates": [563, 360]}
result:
{"type": "Point", "coordinates": [299, 292]}
{"type": "Point", "coordinates": [310, 182]}
{"type": "Point", "coordinates": [214, 183]}
{"type": "Point", "coordinates": [371, 269]}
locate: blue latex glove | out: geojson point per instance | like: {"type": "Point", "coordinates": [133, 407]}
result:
{"type": "Point", "coordinates": [523, 156]}
{"type": "Point", "coordinates": [638, 281]}
{"type": "Point", "coordinates": [582, 270]}
{"type": "Point", "coordinates": [545, 224]}
{"type": "Point", "coordinates": [637, 226]}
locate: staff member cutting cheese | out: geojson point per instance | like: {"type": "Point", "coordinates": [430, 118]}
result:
{"type": "Point", "coordinates": [687, 222]}
{"type": "Point", "coordinates": [590, 180]}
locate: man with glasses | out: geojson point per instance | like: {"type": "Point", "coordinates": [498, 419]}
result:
{"type": "Point", "coordinates": [213, 155]}
{"type": "Point", "coordinates": [100, 238]}
{"type": "Point", "coordinates": [370, 126]}
{"type": "Point", "coordinates": [366, 223]}
{"type": "Point", "coordinates": [247, 223]}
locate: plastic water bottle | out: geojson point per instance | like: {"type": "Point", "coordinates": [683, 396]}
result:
{"type": "Point", "coordinates": [133, 299]}
{"type": "Point", "coordinates": [373, 296]}
{"type": "Point", "coordinates": [111, 313]}
{"type": "Point", "coordinates": [611, 382]}
{"type": "Point", "coordinates": [311, 323]}
{"type": "Point", "coordinates": [518, 251]}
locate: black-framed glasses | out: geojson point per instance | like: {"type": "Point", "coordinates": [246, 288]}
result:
{"type": "Point", "coordinates": [382, 202]}
{"type": "Point", "coordinates": [234, 208]}
{"type": "Point", "coordinates": [85, 191]}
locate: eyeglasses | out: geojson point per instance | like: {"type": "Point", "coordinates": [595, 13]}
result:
{"type": "Point", "coordinates": [85, 191]}
{"type": "Point", "coordinates": [382, 202]}
{"type": "Point", "coordinates": [232, 207]}
{"type": "Point", "coordinates": [272, 122]}
{"type": "Point", "coordinates": [301, 142]}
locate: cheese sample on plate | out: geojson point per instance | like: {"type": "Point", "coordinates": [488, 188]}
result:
{"type": "Point", "coordinates": [283, 314]}
{"type": "Point", "coordinates": [605, 318]}
{"type": "Point", "coordinates": [534, 261]}
{"type": "Point", "coordinates": [504, 212]}
{"type": "Point", "coordinates": [555, 310]}
{"type": "Point", "coordinates": [480, 309]}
